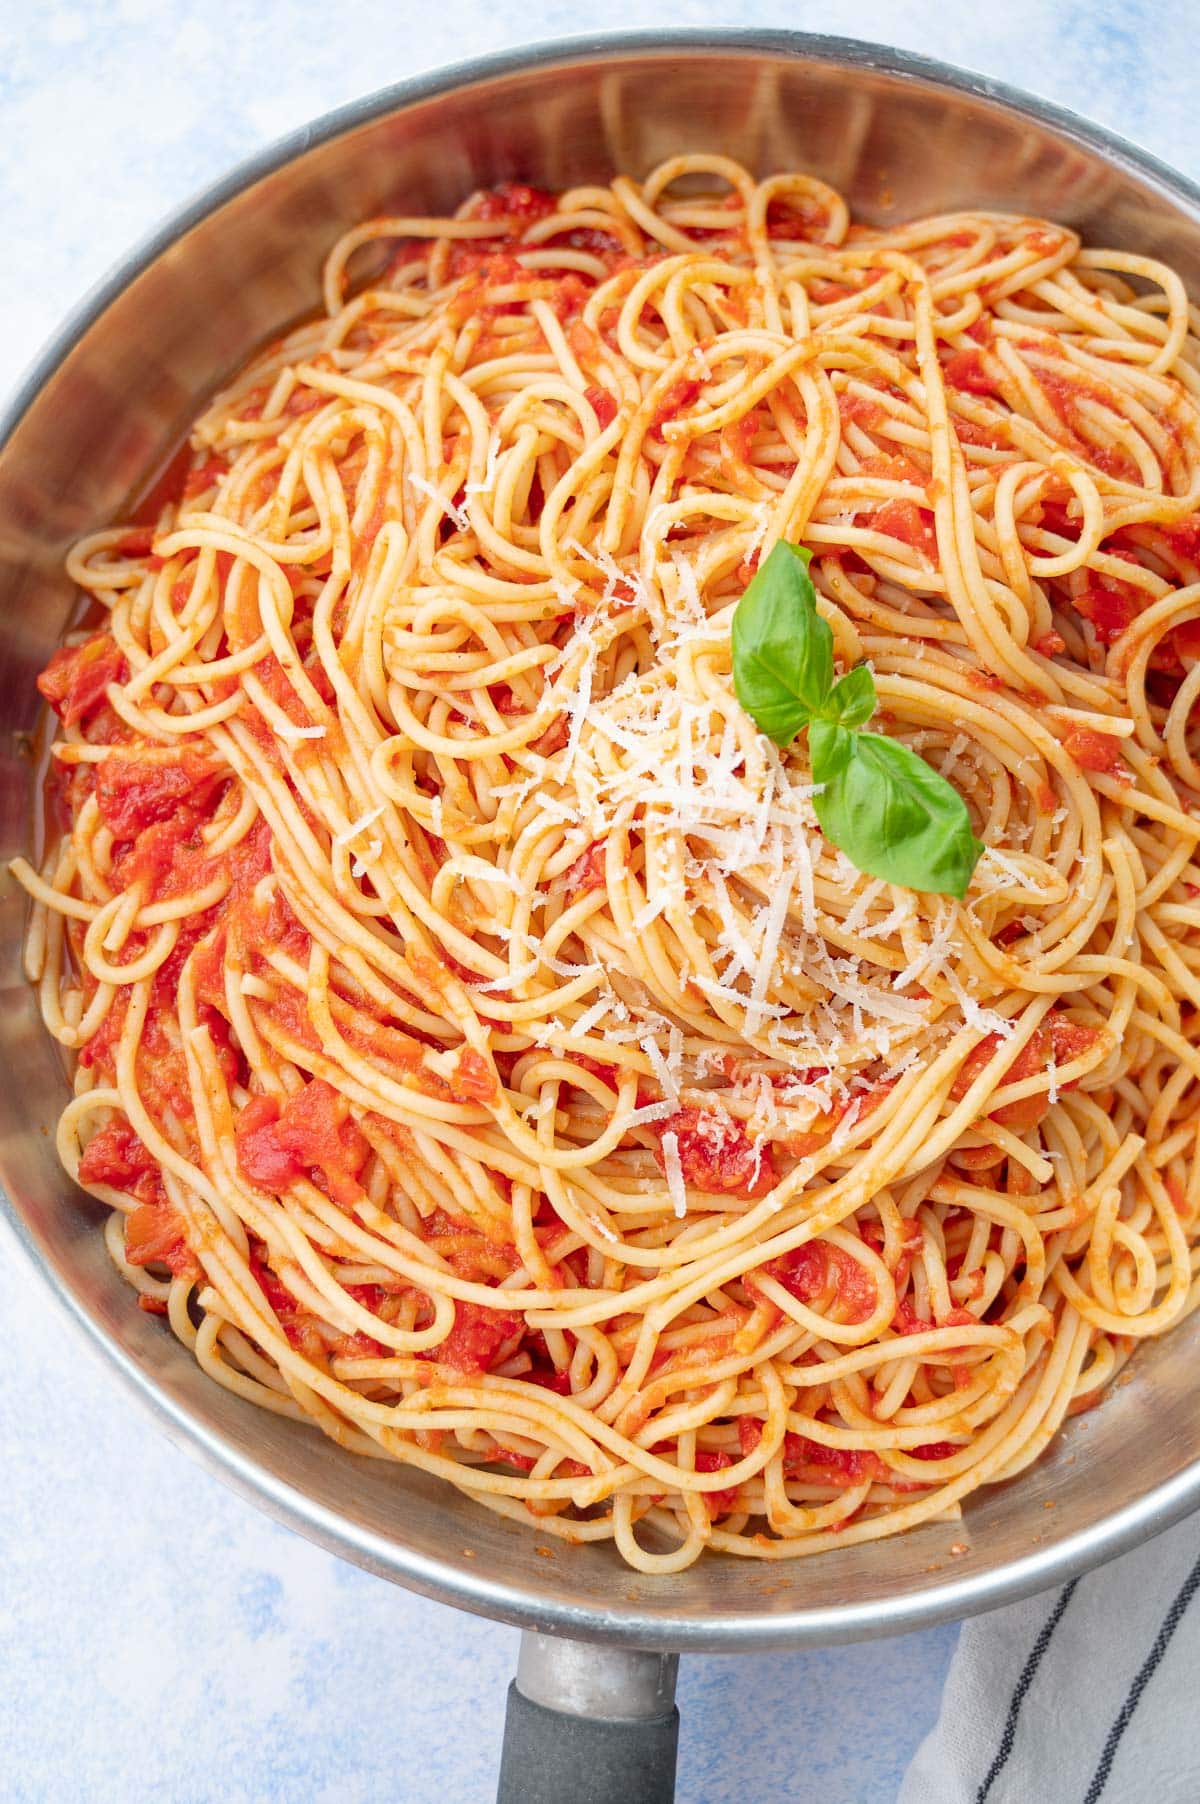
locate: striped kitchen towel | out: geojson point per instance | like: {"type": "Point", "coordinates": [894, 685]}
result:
{"type": "Point", "coordinates": [1085, 1695]}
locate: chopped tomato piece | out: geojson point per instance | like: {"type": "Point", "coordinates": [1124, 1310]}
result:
{"type": "Point", "coordinates": [1058, 1039]}
{"type": "Point", "coordinates": [907, 1321]}
{"type": "Point", "coordinates": [273, 1288]}
{"type": "Point", "coordinates": [154, 1236]}
{"type": "Point", "coordinates": [474, 1080]}
{"type": "Point", "coordinates": [905, 521]}
{"type": "Point", "coordinates": [802, 211]}
{"type": "Point", "coordinates": [550, 1380]}
{"type": "Point", "coordinates": [803, 1458]}
{"type": "Point", "coordinates": [859, 409]}
{"type": "Point", "coordinates": [590, 238]}
{"type": "Point", "coordinates": [477, 1337]}
{"type": "Point", "coordinates": [135, 793]}
{"type": "Point", "coordinates": [815, 1270]}
{"type": "Point", "coordinates": [75, 679]}
{"type": "Point", "coordinates": [911, 1241]}
{"type": "Point", "coordinates": [1056, 519]}
{"type": "Point", "coordinates": [514, 200]}
{"type": "Point", "coordinates": [1098, 752]}
{"type": "Point", "coordinates": [261, 1154]}
{"type": "Point", "coordinates": [825, 294]}
{"type": "Point", "coordinates": [964, 370]}
{"type": "Point", "coordinates": [608, 1074]}
{"type": "Point", "coordinates": [717, 1154]}
{"type": "Point", "coordinates": [1110, 606]}
{"type": "Point", "coordinates": [137, 542]}
{"type": "Point", "coordinates": [717, 1503]}
{"type": "Point", "coordinates": [749, 1433]}
{"type": "Point", "coordinates": [1180, 647]}
{"type": "Point", "coordinates": [303, 400]}
{"type": "Point", "coordinates": [503, 699]}
{"type": "Point", "coordinates": [480, 267]}
{"type": "Point", "coordinates": [1070, 1039]}
{"type": "Point", "coordinates": [602, 404]}
{"type": "Point", "coordinates": [679, 395]}
{"type": "Point", "coordinates": [117, 1156]}
{"type": "Point", "coordinates": [312, 1132]}
{"type": "Point", "coordinates": [831, 1465]}
{"type": "Point", "coordinates": [202, 477]}
{"type": "Point", "coordinates": [895, 467]}
{"type": "Point", "coordinates": [818, 1136]}
{"type": "Point", "coordinates": [568, 295]}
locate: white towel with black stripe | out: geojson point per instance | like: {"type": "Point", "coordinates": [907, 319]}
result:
{"type": "Point", "coordinates": [1085, 1695]}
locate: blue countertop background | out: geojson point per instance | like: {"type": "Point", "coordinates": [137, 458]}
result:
{"type": "Point", "coordinates": [159, 1638]}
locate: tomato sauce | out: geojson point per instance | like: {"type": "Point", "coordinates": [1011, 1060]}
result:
{"type": "Point", "coordinates": [1110, 605]}
{"type": "Point", "coordinates": [964, 370]}
{"type": "Point", "coordinates": [154, 1236]}
{"type": "Point", "coordinates": [477, 1338]}
{"type": "Point", "coordinates": [602, 404]}
{"type": "Point", "coordinates": [75, 680]}
{"type": "Point", "coordinates": [116, 1156]}
{"type": "Point", "coordinates": [676, 399]}
{"type": "Point", "coordinates": [716, 1153]}
{"type": "Point", "coordinates": [717, 1503]}
{"type": "Point", "coordinates": [518, 202]}
{"type": "Point", "coordinates": [838, 1467]}
{"type": "Point", "coordinates": [135, 793]}
{"type": "Point", "coordinates": [1057, 1038]}
{"type": "Point", "coordinates": [817, 1273]}
{"type": "Point", "coordinates": [858, 410]}
{"type": "Point", "coordinates": [587, 873]}
{"type": "Point", "coordinates": [1098, 752]}
{"type": "Point", "coordinates": [311, 1132]}
{"type": "Point", "coordinates": [905, 521]}
{"type": "Point", "coordinates": [907, 1321]}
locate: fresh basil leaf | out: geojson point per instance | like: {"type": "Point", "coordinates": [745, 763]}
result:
{"type": "Point", "coordinates": [890, 812]}
{"type": "Point", "coordinates": [782, 649]}
{"type": "Point", "coordinates": [830, 747]}
{"type": "Point", "coordinates": [852, 699]}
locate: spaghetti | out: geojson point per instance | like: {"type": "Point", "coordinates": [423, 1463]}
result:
{"type": "Point", "coordinates": [480, 1050]}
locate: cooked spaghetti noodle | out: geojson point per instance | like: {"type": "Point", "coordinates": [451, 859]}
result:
{"type": "Point", "coordinates": [479, 1049]}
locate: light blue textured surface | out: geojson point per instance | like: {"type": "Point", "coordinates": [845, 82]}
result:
{"type": "Point", "coordinates": [157, 1637]}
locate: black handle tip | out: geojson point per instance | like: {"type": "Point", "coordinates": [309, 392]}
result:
{"type": "Point", "coordinates": [553, 1757]}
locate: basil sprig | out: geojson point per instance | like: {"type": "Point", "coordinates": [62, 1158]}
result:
{"type": "Point", "coordinates": [889, 811]}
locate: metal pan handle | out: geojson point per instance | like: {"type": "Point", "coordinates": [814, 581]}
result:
{"type": "Point", "coordinates": [589, 1725]}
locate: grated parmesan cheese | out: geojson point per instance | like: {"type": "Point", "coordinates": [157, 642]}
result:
{"type": "Point", "coordinates": [666, 1070]}
{"type": "Point", "coordinates": [652, 1111]}
{"type": "Point", "coordinates": [426, 488]}
{"type": "Point", "coordinates": [509, 978]}
{"type": "Point", "coordinates": [374, 850]}
{"type": "Point", "coordinates": [590, 1018]}
{"type": "Point", "coordinates": [356, 827]}
{"type": "Point", "coordinates": [674, 1173]}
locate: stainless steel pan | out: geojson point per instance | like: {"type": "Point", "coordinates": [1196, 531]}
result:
{"type": "Point", "coordinates": [899, 136]}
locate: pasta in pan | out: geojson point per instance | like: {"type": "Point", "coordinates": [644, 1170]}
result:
{"type": "Point", "coordinates": [486, 1044]}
